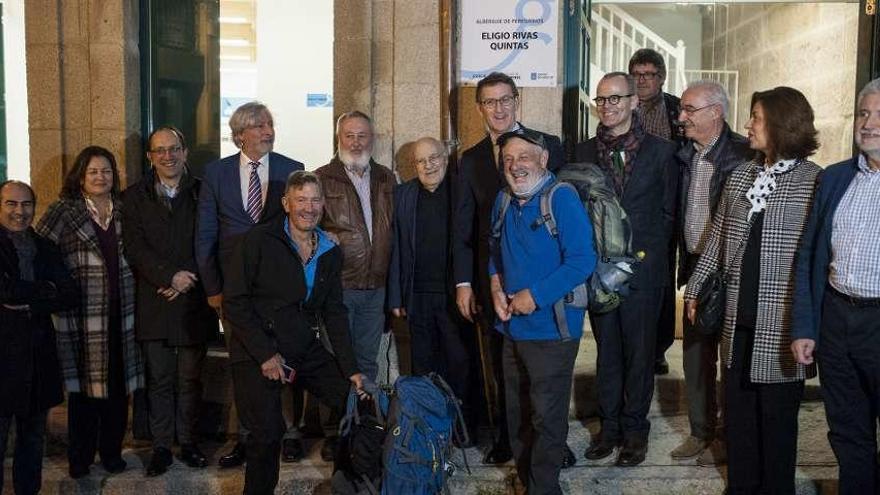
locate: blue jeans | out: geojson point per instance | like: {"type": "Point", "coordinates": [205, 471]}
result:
{"type": "Point", "coordinates": [366, 320]}
{"type": "Point", "coordinates": [27, 464]}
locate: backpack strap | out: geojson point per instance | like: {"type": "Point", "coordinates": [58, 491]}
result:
{"type": "Point", "coordinates": [497, 225]}
{"type": "Point", "coordinates": [549, 220]}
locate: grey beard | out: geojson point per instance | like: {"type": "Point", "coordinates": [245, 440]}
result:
{"type": "Point", "coordinates": [352, 163]}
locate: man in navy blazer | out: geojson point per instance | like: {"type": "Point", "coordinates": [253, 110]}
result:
{"type": "Point", "coordinates": [238, 192]}
{"type": "Point", "coordinates": [837, 299]}
{"type": "Point", "coordinates": [420, 282]}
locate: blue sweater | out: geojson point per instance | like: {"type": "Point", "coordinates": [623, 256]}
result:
{"type": "Point", "coordinates": [529, 257]}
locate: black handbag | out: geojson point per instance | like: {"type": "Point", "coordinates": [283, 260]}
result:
{"type": "Point", "coordinates": [710, 304]}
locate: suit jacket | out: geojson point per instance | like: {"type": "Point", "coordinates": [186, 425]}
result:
{"type": "Point", "coordinates": [649, 202]}
{"type": "Point", "coordinates": [222, 219]}
{"type": "Point", "coordinates": [84, 332]}
{"type": "Point", "coordinates": [159, 243]}
{"type": "Point", "coordinates": [30, 378]}
{"type": "Point", "coordinates": [785, 219]}
{"type": "Point", "coordinates": [401, 272]}
{"type": "Point", "coordinates": [265, 300]}
{"type": "Point", "coordinates": [814, 254]}
{"type": "Point", "coordinates": [479, 181]}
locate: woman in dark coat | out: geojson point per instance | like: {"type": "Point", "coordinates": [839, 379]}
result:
{"type": "Point", "coordinates": [755, 235]}
{"type": "Point", "coordinates": [100, 360]}
{"type": "Point", "coordinates": [34, 282]}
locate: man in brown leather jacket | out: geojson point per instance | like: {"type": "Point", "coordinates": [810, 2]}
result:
{"type": "Point", "coordinates": [357, 209]}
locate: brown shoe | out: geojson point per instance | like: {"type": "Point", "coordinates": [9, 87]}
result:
{"type": "Point", "coordinates": [690, 448]}
{"type": "Point", "coordinates": [713, 455]}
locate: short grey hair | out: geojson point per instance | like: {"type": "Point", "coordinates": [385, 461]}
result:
{"type": "Point", "coordinates": [630, 80]}
{"type": "Point", "coordinates": [354, 114]}
{"type": "Point", "coordinates": [246, 116]}
{"type": "Point", "coordinates": [715, 94]}
{"type": "Point", "coordinates": [869, 89]}
{"type": "Point", "coordinates": [300, 178]}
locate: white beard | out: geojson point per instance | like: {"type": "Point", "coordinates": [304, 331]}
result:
{"type": "Point", "coordinates": [360, 163]}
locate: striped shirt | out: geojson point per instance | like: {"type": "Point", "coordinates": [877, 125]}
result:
{"type": "Point", "coordinates": [855, 252]}
{"type": "Point", "coordinates": [362, 186]}
{"type": "Point", "coordinates": [698, 217]}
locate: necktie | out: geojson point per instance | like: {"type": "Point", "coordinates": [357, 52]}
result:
{"type": "Point", "coordinates": [618, 163]}
{"type": "Point", "coordinates": [255, 194]}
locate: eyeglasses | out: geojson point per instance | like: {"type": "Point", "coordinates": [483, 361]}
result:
{"type": "Point", "coordinates": [613, 99]}
{"type": "Point", "coordinates": [433, 160]}
{"type": "Point", "coordinates": [171, 150]}
{"type": "Point", "coordinates": [690, 110]}
{"type": "Point", "coordinates": [644, 76]}
{"type": "Point", "coordinates": [505, 101]}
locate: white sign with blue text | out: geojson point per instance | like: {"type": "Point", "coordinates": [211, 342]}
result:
{"type": "Point", "coordinates": [517, 37]}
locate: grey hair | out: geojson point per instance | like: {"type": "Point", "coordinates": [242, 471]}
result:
{"type": "Point", "coordinates": [300, 178]}
{"type": "Point", "coordinates": [870, 88]}
{"type": "Point", "coordinates": [630, 80]}
{"type": "Point", "coordinates": [715, 94]}
{"type": "Point", "coordinates": [245, 116]}
{"type": "Point", "coordinates": [354, 114]}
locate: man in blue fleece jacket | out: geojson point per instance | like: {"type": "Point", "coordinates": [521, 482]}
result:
{"type": "Point", "coordinates": [531, 270]}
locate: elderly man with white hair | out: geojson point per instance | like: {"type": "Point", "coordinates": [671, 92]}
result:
{"type": "Point", "coordinates": [836, 306]}
{"type": "Point", "coordinates": [708, 157]}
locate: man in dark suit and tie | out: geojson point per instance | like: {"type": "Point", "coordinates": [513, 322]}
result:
{"type": "Point", "coordinates": [644, 172]}
{"type": "Point", "coordinates": [480, 179]}
{"type": "Point", "coordinates": [238, 192]}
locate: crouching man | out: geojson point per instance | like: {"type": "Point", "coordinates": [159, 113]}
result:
{"type": "Point", "coordinates": [284, 285]}
{"type": "Point", "coordinates": [531, 270]}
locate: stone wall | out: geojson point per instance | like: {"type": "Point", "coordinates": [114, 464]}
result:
{"type": "Point", "coordinates": [83, 86]}
{"type": "Point", "coordinates": [811, 47]}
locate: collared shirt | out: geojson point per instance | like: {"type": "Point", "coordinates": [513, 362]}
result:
{"type": "Point", "coordinates": [698, 214]}
{"type": "Point", "coordinates": [244, 175]}
{"type": "Point", "coordinates": [654, 117]}
{"type": "Point", "coordinates": [362, 186]}
{"type": "Point", "coordinates": [310, 268]}
{"type": "Point", "coordinates": [855, 252]}
{"type": "Point", "coordinates": [166, 193]}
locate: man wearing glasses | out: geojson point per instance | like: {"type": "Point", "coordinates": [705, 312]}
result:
{"type": "Point", "coordinates": [658, 112]}
{"type": "Point", "coordinates": [643, 170]}
{"type": "Point", "coordinates": [708, 157]}
{"type": "Point", "coordinates": [480, 179]}
{"type": "Point", "coordinates": [420, 285]}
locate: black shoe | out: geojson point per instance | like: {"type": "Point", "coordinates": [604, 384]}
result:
{"type": "Point", "coordinates": [114, 466]}
{"type": "Point", "coordinates": [568, 459]}
{"type": "Point", "coordinates": [292, 450]}
{"type": "Point", "coordinates": [633, 452]}
{"type": "Point", "coordinates": [160, 461]}
{"type": "Point", "coordinates": [235, 458]}
{"type": "Point", "coordinates": [192, 456]}
{"type": "Point", "coordinates": [599, 450]}
{"type": "Point", "coordinates": [498, 454]}
{"type": "Point", "coordinates": [328, 450]}
{"type": "Point", "coordinates": [661, 366]}
{"type": "Point", "coordinates": [77, 472]}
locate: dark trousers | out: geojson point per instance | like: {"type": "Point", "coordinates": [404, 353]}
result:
{"type": "Point", "coordinates": [625, 339]}
{"type": "Point", "coordinates": [258, 400]}
{"type": "Point", "coordinates": [666, 321]}
{"type": "Point", "coordinates": [27, 461]}
{"type": "Point", "coordinates": [849, 367]}
{"type": "Point", "coordinates": [761, 423]}
{"type": "Point", "coordinates": [95, 425]}
{"type": "Point", "coordinates": [174, 371]}
{"type": "Point", "coordinates": [700, 362]}
{"type": "Point", "coordinates": [537, 380]}
{"type": "Point", "coordinates": [438, 345]}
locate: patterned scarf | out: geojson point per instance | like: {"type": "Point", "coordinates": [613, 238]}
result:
{"type": "Point", "coordinates": [104, 220]}
{"type": "Point", "coordinates": [629, 143]}
{"type": "Point", "coordinates": [765, 184]}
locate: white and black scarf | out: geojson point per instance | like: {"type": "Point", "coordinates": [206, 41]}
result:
{"type": "Point", "coordinates": [765, 184]}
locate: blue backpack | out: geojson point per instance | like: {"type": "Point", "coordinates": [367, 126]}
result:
{"type": "Point", "coordinates": [421, 416]}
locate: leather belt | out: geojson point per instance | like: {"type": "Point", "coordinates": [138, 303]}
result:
{"type": "Point", "coordinates": [859, 302]}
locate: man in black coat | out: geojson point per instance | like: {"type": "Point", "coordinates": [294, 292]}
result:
{"type": "Point", "coordinates": [34, 282]}
{"type": "Point", "coordinates": [285, 282]}
{"type": "Point", "coordinates": [644, 172]}
{"type": "Point", "coordinates": [172, 317]}
{"type": "Point", "coordinates": [420, 286]}
{"type": "Point", "coordinates": [711, 153]}
{"type": "Point", "coordinates": [480, 179]}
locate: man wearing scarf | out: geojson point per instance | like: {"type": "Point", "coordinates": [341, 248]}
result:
{"type": "Point", "coordinates": [644, 172]}
{"type": "Point", "coordinates": [530, 270]}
